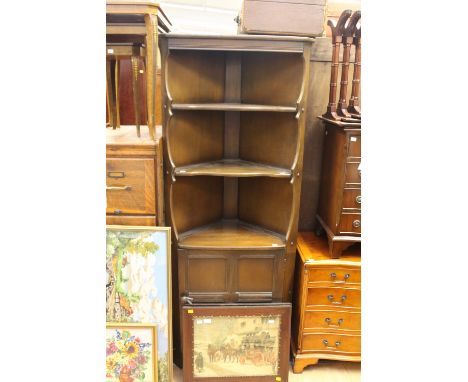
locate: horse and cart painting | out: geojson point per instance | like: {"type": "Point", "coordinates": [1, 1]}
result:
{"type": "Point", "coordinates": [232, 342]}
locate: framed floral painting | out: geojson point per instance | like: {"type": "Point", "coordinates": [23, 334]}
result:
{"type": "Point", "coordinates": [233, 343]}
{"type": "Point", "coordinates": [138, 284]}
{"type": "Point", "coordinates": [131, 353]}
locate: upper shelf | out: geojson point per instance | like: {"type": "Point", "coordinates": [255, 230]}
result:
{"type": "Point", "coordinates": [230, 234]}
{"type": "Point", "coordinates": [233, 107]}
{"type": "Point", "coordinates": [233, 168]}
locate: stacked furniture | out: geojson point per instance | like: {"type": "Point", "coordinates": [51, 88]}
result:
{"type": "Point", "coordinates": [327, 304]}
{"type": "Point", "coordinates": [132, 28]}
{"type": "Point", "coordinates": [134, 188]}
{"type": "Point", "coordinates": [339, 210]}
{"type": "Point", "coordinates": [233, 128]}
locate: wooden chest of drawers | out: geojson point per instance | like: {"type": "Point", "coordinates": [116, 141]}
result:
{"type": "Point", "coordinates": [133, 178]}
{"type": "Point", "coordinates": [339, 209]}
{"type": "Point", "coordinates": [326, 305]}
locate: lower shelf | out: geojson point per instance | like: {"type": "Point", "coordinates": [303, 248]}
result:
{"type": "Point", "coordinates": [230, 234]}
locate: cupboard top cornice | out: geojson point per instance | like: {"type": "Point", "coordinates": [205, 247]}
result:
{"type": "Point", "coordinates": [285, 44]}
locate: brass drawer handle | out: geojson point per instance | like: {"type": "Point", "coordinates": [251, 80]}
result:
{"type": "Point", "coordinates": [345, 278]}
{"type": "Point", "coordinates": [358, 199]}
{"type": "Point", "coordinates": [356, 223]}
{"type": "Point", "coordinates": [118, 188]}
{"type": "Point", "coordinates": [331, 298]}
{"type": "Point", "coordinates": [328, 321]}
{"type": "Point", "coordinates": [116, 174]}
{"type": "Point", "coordinates": [337, 343]}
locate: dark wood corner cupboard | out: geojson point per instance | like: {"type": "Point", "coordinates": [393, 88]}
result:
{"type": "Point", "coordinates": [233, 128]}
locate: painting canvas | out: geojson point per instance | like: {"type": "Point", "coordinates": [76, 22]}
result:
{"type": "Point", "coordinates": [138, 288]}
{"type": "Point", "coordinates": [234, 342]}
{"type": "Point", "coordinates": [131, 353]}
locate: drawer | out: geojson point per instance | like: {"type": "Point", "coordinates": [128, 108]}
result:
{"type": "Point", "coordinates": [334, 275]}
{"type": "Point", "coordinates": [352, 198]}
{"type": "Point", "coordinates": [334, 297]}
{"type": "Point", "coordinates": [131, 220]}
{"type": "Point", "coordinates": [331, 319]}
{"type": "Point", "coordinates": [352, 174]}
{"type": "Point", "coordinates": [130, 186]}
{"type": "Point", "coordinates": [354, 146]}
{"type": "Point", "coordinates": [331, 343]}
{"type": "Point", "coordinates": [350, 223]}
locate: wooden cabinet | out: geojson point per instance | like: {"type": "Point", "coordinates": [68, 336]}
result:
{"type": "Point", "coordinates": [233, 128]}
{"type": "Point", "coordinates": [339, 209]}
{"type": "Point", "coordinates": [326, 305]}
{"type": "Point", "coordinates": [133, 178]}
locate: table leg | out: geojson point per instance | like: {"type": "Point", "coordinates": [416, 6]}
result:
{"type": "Point", "coordinates": [151, 23]}
{"type": "Point", "coordinates": [136, 95]}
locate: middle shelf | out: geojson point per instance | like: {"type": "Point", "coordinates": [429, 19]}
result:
{"type": "Point", "coordinates": [230, 234]}
{"type": "Point", "coordinates": [233, 168]}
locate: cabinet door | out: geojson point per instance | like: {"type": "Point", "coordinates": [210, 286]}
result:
{"type": "Point", "coordinates": [258, 277]}
{"type": "Point", "coordinates": [230, 276]}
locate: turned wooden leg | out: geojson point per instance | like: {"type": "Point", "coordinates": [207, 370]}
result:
{"type": "Point", "coordinates": [110, 87]}
{"type": "Point", "coordinates": [151, 23]}
{"type": "Point", "coordinates": [301, 363]}
{"type": "Point", "coordinates": [136, 95]}
{"type": "Point", "coordinates": [337, 247]}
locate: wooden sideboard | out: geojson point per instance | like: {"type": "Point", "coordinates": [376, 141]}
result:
{"type": "Point", "coordinates": [326, 305]}
{"type": "Point", "coordinates": [339, 209]}
{"type": "Point", "coordinates": [134, 188]}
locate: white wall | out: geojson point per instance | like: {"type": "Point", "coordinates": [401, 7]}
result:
{"type": "Point", "coordinates": [202, 16]}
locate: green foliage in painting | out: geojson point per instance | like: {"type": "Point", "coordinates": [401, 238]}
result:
{"type": "Point", "coordinates": [118, 245]}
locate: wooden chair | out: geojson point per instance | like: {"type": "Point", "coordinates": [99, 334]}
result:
{"type": "Point", "coordinates": [133, 24]}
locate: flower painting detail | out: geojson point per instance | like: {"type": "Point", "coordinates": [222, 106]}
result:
{"type": "Point", "coordinates": [137, 290]}
{"type": "Point", "coordinates": [236, 346]}
{"type": "Point", "coordinates": [130, 354]}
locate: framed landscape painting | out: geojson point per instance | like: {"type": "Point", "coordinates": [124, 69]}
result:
{"type": "Point", "coordinates": [131, 353]}
{"type": "Point", "coordinates": [232, 343]}
{"type": "Point", "coordinates": [138, 284]}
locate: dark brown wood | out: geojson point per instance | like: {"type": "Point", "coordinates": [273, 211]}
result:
{"type": "Point", "coordinates": [326, 304]}
{"type": "Point", "coordinates": [285, 17]}
{"type": "Point", "coordinates": [354, 107]}
{"type": "Point", "coordinates": [340, 219]}
{"type": "Point", "coordinates": [191, 313]}
{"type": "Point", "coordinates": [337, 32]}
{"type": "Point", "coordinates": [348, 36]}
{"type": "Point", "coordinates": [233, 162]}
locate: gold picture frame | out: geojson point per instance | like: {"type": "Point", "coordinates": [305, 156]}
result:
{"type": "Point", "coordinates": [131, 352]}
{"type": "Point", "coordinates": [162, 237]}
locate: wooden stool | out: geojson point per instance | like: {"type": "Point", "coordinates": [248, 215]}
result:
{"type": "Point", "coordinates": [134, 22]}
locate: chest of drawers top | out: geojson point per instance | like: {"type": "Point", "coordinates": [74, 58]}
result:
{"type": "Point", "coordinates": [314, 253]}
{"type": "Point", "coordinates": [125, 142]}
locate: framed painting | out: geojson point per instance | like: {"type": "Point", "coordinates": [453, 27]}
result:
{"type": "Point", "coordinates": [131, 353]}
{"type": "Point", "coordinates": [232, 343]}
{"type": "Point", "coordinates": [138, 284]}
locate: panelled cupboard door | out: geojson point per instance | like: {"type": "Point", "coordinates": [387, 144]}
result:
{"type": "Point", "coordinates": [233, 276]}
